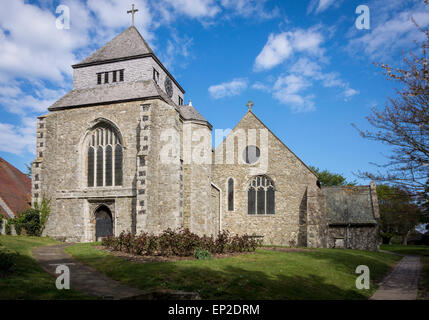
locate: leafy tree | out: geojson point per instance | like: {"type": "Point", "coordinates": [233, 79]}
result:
{"type": "Point", "coordinates": [399, 214]}
{"type": "Point", "coordinates": [328, 179]}
{"type": "Point", "coordinates": [29, 169]}
{"type": "Point", "coordinates": [403, 124]}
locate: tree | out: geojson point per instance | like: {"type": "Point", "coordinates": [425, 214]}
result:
{"type": "Point", "coordinates": [403, 124]}
{"type": "Point", "coordinates": [29, 169]}
{"type": "Point", "coordinates": [328, 179]}
{"type": "Point", "coordinates": [399, 214]}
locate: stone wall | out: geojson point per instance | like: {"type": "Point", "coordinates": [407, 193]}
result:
{"type": "Point", "coordinates": [63, 171]}
{"type": "Point", "coordinates": [198, 216]}
{"type": "Point", "coordinates": [356, 237]}
{"type": "Point", "coordinates": [290, 176]}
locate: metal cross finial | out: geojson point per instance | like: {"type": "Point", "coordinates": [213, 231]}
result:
{"type": "Point", "coordinates": [132, 11]}
{"type": "Point", "coordinates": [250, 104]}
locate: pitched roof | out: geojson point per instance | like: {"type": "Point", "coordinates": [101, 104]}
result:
{"type": "Point", "coordinates": [120, 91]}
{"type": "Point", "coordinates": [350, 205]}
{"type": "Point", "coordinates": [190, 113]}
{"type": "Point", "coordinates": [15, 189]}
{"type": "Point", "coordinates": [127, 44]}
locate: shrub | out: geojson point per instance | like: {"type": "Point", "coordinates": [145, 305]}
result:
{"type": "Point", "coordinates": [28, 221]}
{"type": "Point", "coordinates": [1, 223]}
{"type": "Point", "coordinates": [179, 243]}
{"type": "Point", "coordinates": [44, 209]}
{"type": "Point", "coordinates": [7, 258]}
{"type": "Point", "coordinates": [202, 254]}
{"type": "Point", "coordinates": [8, 228]}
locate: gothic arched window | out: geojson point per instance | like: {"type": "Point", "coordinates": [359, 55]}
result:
{"type": "Point", "coordinates": [261, 196]}
{"type": "Point", "coordinates": [230, 194]}
{"type": "Point", "coordinates": [104, 157]}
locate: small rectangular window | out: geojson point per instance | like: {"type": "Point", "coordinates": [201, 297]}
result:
{"type": "Point", "coordinates": [40, 154]}
{"type": "Point", "coordinates": [106, 77]}
{"type": "Point", "coordinates": [114, 76]}
{"type": "Point", "coordinates": [180, 101]}
{"type": "Point", "coordinates": [41, 125]}
{"type": "Point", "coordinates": [121, 75]}
{"type": "Point", "coordinates": [155, 75]}
{"type": "Point", "coordinates": [98, 78]}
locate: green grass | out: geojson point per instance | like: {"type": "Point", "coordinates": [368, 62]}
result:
{"type": "Point", "coordinates": [411, 250]}
{"type": "Point", "coordinates": [308, 274]}
{"type": "Point", "coordinates": [28, 280]}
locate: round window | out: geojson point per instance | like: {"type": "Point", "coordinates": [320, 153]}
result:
{"type": "Point", "coordinates": [251, 154]}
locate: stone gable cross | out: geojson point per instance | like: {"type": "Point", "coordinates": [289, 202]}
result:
{"type": "Point", "coordinates": [132, 11]}
{"type": "Point", "coordinates": [250, 104]}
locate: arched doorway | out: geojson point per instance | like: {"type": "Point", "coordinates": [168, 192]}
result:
{"type": "Point", "coordinates": [103, 223]}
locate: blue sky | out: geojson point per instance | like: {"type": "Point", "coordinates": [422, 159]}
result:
{"type": "Point", "coordinates": [305, 65]}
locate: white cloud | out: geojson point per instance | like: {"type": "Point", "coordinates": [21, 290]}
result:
{"type": "Point", "coordinates": [250, 8]}
{"type": "Point", "coordinates": [228, 89]}
{"type": "Point", "coordinates": [313, 71]}
{"type": "Point", "coordinates": [287, 90]}
{"type": "Point", "coordinates": [320, 5]}
{"type": "Point", "coordinates": [392, 29]}
{"type": "Point", "coordinates": [18, 139]}
{"type": "Point", "coordinates": [281, 46]}
{"type": "Point", "coordinates": [191, 8]}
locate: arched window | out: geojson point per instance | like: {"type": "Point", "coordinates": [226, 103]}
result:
{"type": "Point", "coordinates": [261, 196]}
{"type": "Point", "coordinates": [230, 194]}
{"type": "Point", "coordinates": [104, 157]}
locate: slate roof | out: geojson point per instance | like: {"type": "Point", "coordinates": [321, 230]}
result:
{"type": "Point", "coordinates": [15, 188]}
{"type": "Point", "coordinates": [350, 204]}
{"type": "Point", "coordinates": [120, 91]}
{"type": "Point", "coordinates": [126, 44]}
{"type": "Point", "coordinates": [190, 113]}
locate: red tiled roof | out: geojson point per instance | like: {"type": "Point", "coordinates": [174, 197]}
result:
{"type": "Point", "coordinates": [15, 188]}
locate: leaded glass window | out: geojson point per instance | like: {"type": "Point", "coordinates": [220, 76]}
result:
{"type": "Point", "coordinates": [104, 157]}
{"type": "Point", "coordinates": [261, 196]}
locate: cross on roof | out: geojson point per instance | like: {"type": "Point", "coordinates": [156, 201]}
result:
{"type": "Point", "coordinates": [250, 104]}
{"type": "Point", "coordinates": [132, 11]}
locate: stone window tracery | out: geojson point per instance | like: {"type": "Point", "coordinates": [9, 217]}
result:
{"type": "Point", "coordinates": [261, 196]}
{"type": "Point", "coordinates": [104, 157]}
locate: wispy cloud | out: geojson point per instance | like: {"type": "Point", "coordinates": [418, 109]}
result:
{"type": "Point", "coordinates": [228, 89]}
{"type": "Point", "coordinates": [391, 30]}
{"type": "Point", "coordinates": [318, 6]}
{"type": "Point", "coordinates": [298, 74]}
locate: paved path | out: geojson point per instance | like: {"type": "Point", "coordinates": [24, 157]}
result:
{"type": "Point", "coordinates": [83, 277]}
{"type": "Point", "coordinates": [402, 282]}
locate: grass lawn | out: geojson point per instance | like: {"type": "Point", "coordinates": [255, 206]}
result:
{"type": "Point", "coordinates": [414, 250]}
{"type": "Point", "coordinates": [306, 274]}
{"type": "Point", "coordinates": [28, 280]}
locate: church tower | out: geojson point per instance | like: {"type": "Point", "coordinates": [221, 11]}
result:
{"type": "Point", "coordinates": [115, 153]}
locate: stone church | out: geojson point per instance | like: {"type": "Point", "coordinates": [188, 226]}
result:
{"type": "Point", "coordinates": [122, 152]}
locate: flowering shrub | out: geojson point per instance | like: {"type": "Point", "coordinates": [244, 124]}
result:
{"type": "Point", "coordinates": [179, 243]}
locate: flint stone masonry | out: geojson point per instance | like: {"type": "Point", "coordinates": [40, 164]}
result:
{"type": "Point", "coordinates": [171, 176]}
